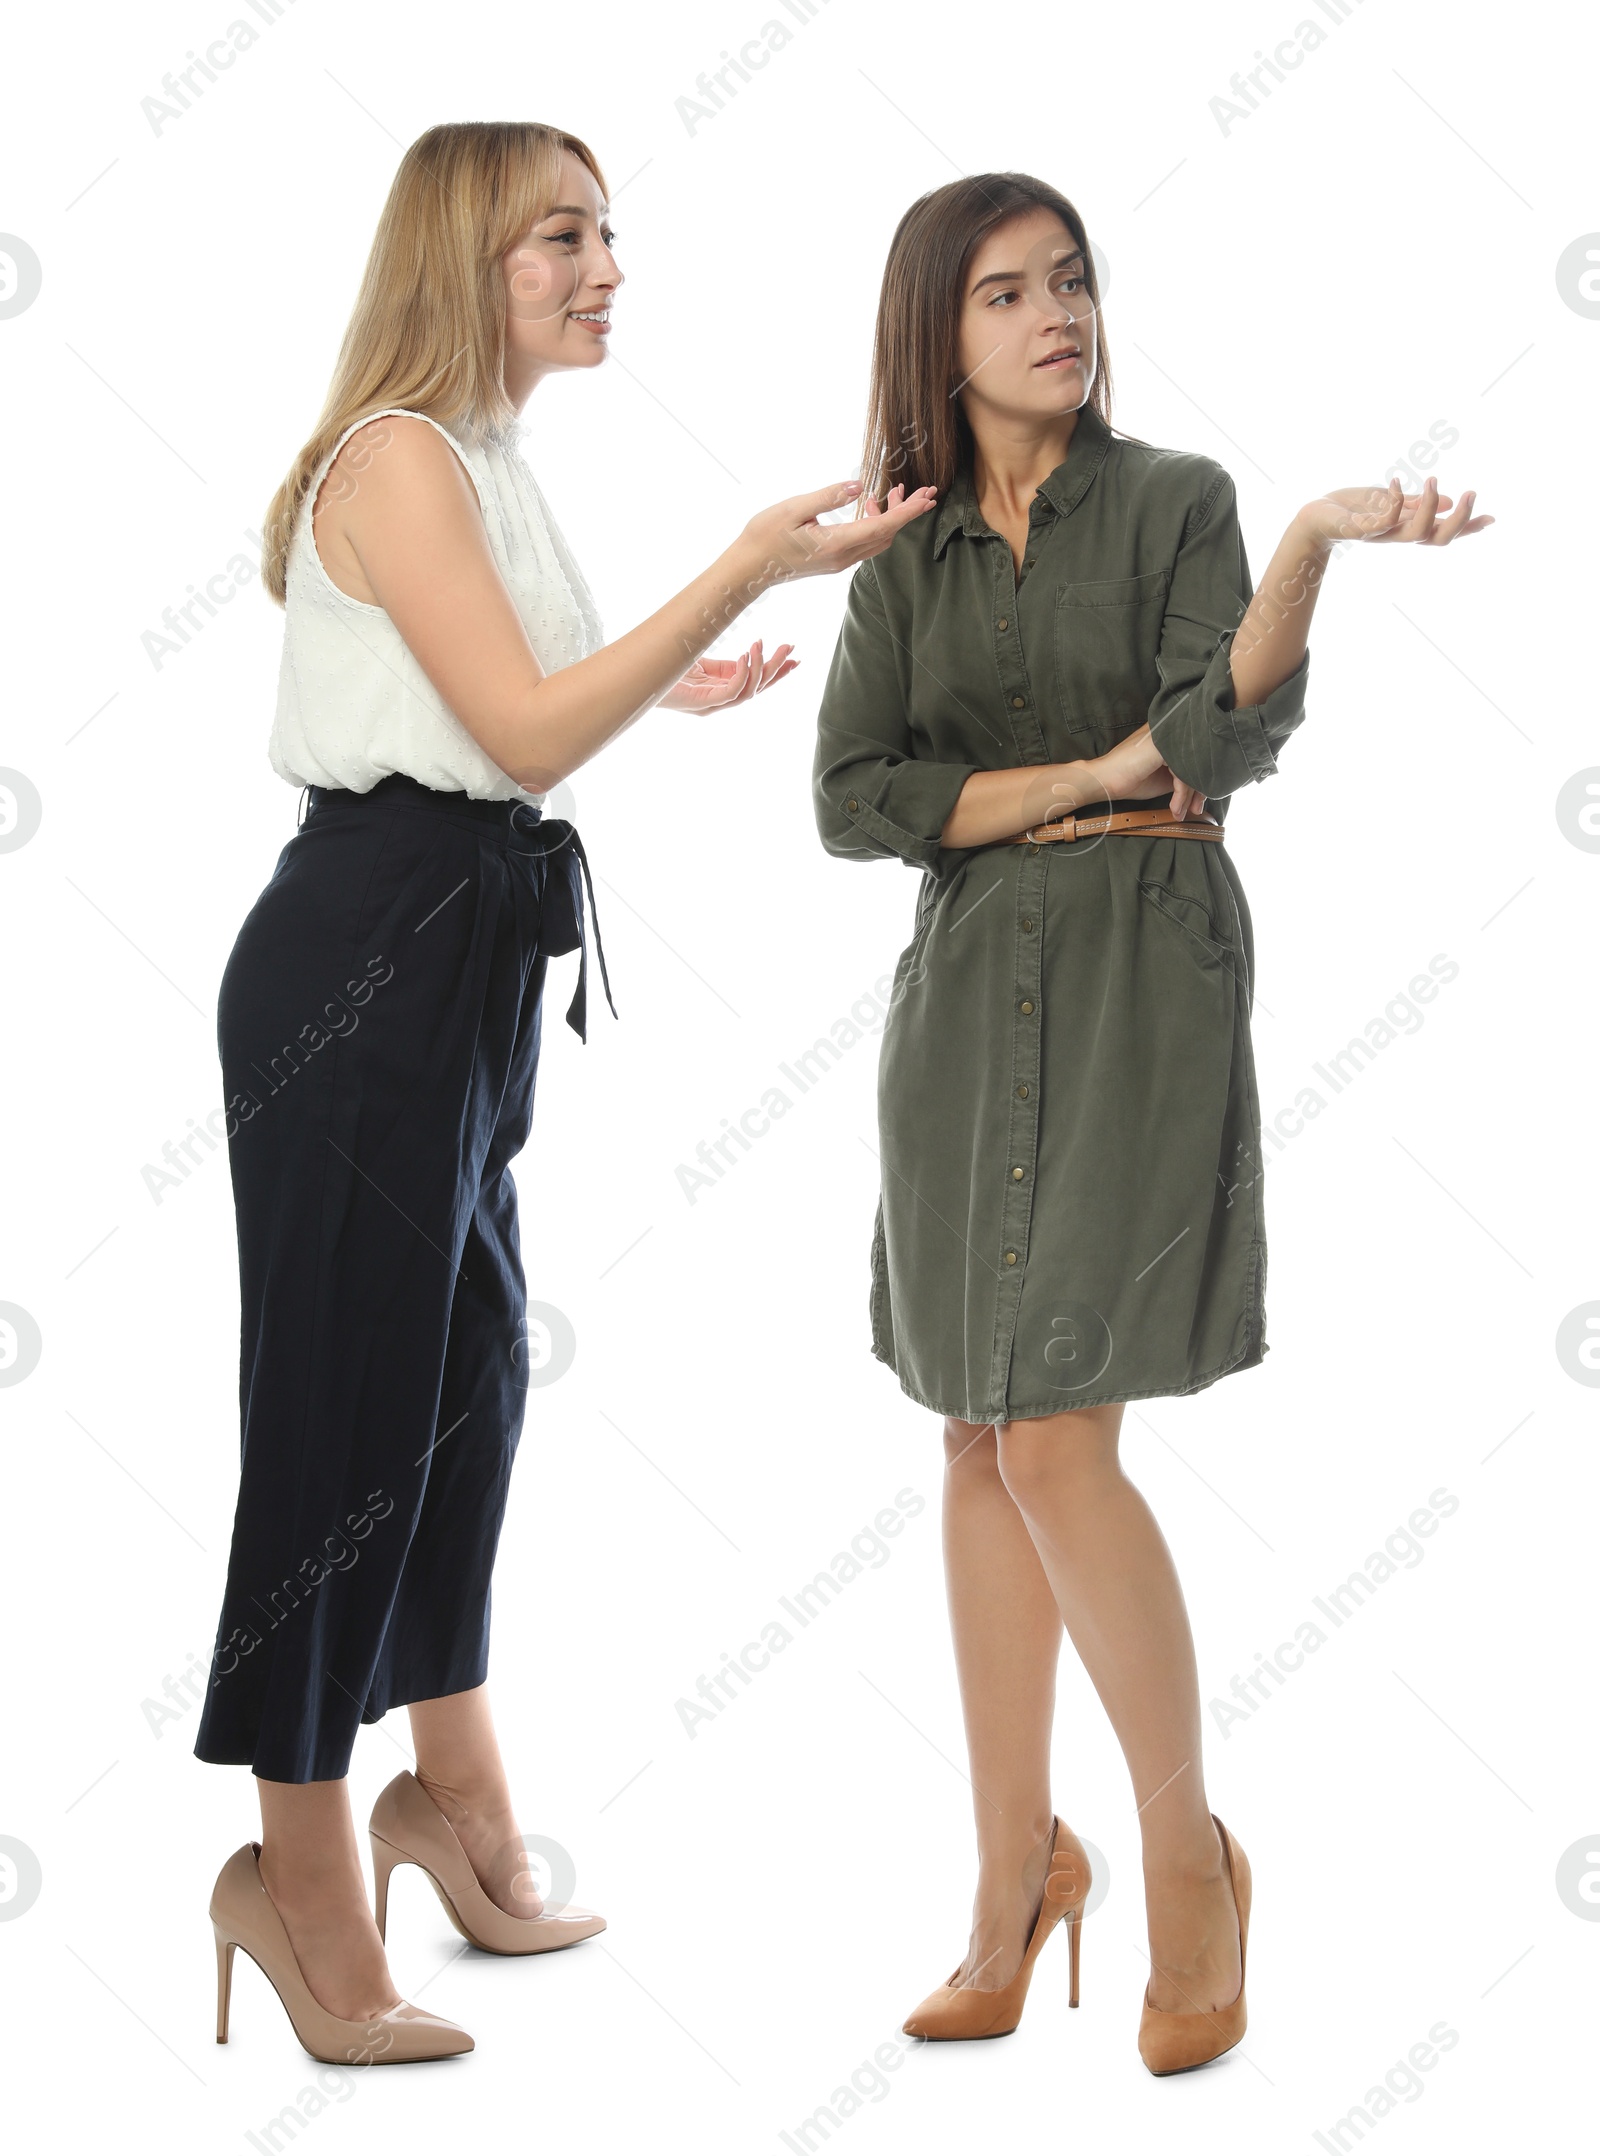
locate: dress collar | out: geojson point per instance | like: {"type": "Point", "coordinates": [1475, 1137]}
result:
{"type": "Point", "coordinates": [1063, 490]}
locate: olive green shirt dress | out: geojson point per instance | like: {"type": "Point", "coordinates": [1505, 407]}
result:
{"type": "Point", "coordinates": [1071, 1205]}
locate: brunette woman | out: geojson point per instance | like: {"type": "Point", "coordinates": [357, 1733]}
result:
{"type": "Point", "coordinates": [1044, 697]}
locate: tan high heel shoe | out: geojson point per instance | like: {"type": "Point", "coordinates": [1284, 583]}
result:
{"type": "Point", "coordinates": [950, 2013]}
{"type": "Point", "coordinates": [244, 1914]}
{"type": "Point", "coordinates": [407, 1827]}
{"type": "Point", "coordinates": [1176, 2043]}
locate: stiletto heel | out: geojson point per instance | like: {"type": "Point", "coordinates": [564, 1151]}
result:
{"type": "Point", "coordinates": [407, 1827]}
{"type": "Point", "coordinates": [244, 1914]}
{"type": "Point", "coordinates": [224, 1983]}
{"type": "Point", "coordinates": [1177, 2043]}
{"type": "Point", "coordinates": [384, 1860]}
{"type": "Point", "coordinates": [954, 2012]}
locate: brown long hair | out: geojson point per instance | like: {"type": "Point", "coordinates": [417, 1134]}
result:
{"type": "Point", "coordinates": [428, 328]}
{"type": "Point", "coordinates": [917, 433]}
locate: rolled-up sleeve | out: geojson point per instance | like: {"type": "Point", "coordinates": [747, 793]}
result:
{"type": "Point", "coordinates": [875, 796]}
{"type": "Point", "coordinates": [1210, 742]}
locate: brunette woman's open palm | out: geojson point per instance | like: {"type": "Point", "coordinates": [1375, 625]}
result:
{"type": "Point", "coordinates": [1384, 515]}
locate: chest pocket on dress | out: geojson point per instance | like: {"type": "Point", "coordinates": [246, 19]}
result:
{"type": "Point", "coordinates": [1107, 636]}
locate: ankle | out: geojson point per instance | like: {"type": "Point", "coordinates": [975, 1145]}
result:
{"type": "Point", "coordinates": [466, 1797]}
{"type": "Point", "coordinates": [1004, 1855]}
{"type": "Point", "coordinates": [1194, 1860]}
{"type": "Point", "coordinates": [310, 1886]}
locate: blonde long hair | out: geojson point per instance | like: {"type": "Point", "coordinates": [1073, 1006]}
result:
{"type": "Point", "coordinates": [428, 328]}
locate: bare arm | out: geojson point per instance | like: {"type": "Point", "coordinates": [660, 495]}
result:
{"type": "Point", "coordinates": [1271, 640]}
{"type": "Point", "coordinates": [410, 530]}
{"type": "Point", "coordinates": [998, 804]}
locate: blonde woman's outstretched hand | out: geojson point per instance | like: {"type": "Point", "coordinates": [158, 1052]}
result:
{"type": "Point", "coordinates": [791, 540]}
{"type": "Point", "coordinates": [1387, 514]}
{"type": "Point", "coordinates": [715, 684]}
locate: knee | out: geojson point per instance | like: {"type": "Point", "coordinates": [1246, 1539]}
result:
{"type": "Point", "coordinates": [970, 1446]}
{"type": "Point", "coordinates": [1052, 1458]}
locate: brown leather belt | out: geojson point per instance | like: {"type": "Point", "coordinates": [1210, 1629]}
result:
{"type": "Point", "coordinates": [1153, 823]}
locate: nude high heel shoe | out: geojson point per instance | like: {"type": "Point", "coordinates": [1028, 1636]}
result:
{"type": "Point", "coordinates": [1175, 2043]}
{"type": "Point", "coordinates": [407, 1827]}
{"type": "Point", "coordinates": [950, 2013]}
{"type": "Point", "coordinates": [244, 1914]}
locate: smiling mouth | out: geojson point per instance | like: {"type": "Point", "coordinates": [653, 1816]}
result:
{"type": "Point", "coordinates": [595, 318]}
{"type": "Point", "coordinates": [1056, 359]}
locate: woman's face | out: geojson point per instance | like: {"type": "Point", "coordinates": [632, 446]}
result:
{"type": "Point", "coordinates": [560, 279]}
{"type": "Point", "coordinates": [1026, 346]}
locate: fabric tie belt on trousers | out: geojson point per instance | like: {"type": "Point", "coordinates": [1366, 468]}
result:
{"type": "Point", "coordinates": [552, 840]}
{"type": "Point", "coordinates": [562, 927]}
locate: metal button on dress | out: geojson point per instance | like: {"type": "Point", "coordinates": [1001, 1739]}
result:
{"type": "Point", "coordinates": [1027, 928]}
{"type": "Point", "coordinates": [1027, 1010]}
{"type": "Point", "coordinates": [1016, 1175]}
{"type": "Point", "coordinates": [1017, 702]}
{"type": "Point", "coordinates": [852, 804]}
{"type": "Point", "coordinates": [1011, 1257]}
{"type": "Point", "coordinates": [1022, 1092]}
{"type": "Point", "coordinates": [1002, 623]}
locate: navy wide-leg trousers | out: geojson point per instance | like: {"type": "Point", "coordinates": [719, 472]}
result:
{"type": "Point", "coordinates": [379, 1028]}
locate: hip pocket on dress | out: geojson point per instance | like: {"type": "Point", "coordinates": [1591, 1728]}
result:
{"type": "Point", "coordinates": [912, 965]}
{"type": "Point", "coordinates": [1205, 942]}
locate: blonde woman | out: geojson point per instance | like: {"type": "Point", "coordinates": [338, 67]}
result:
{"type": "Point", "coordinates": [379, 1027]}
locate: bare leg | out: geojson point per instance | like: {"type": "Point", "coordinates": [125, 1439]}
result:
{"type": "Point", "coordinates": [1118, 1593]}
{"type": "Point", "coordinates": [1007, 1633]}
{"type": "Point", "coordinates": [459, 1765]}
{"type": "Point", "coordinates": [312, 1872]}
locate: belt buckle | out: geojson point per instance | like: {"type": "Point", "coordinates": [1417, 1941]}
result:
{"type": "Point", "coordinates": [1061, 830]}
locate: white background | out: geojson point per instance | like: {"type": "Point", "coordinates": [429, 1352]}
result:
{"type": "Point", "coordinates": [1370, 252]}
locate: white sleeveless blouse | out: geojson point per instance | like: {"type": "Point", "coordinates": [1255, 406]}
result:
{"type": "Point", "coordinates": [354, 705]}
